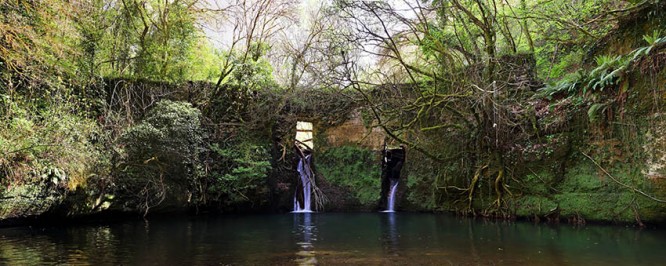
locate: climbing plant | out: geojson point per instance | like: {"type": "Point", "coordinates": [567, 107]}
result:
{"type": "Point", "coordinates": [161, 156]}
{"type": "Point", "coordinates": [354, 168]}
{"type": "Point", "coordinates": [240, 173]}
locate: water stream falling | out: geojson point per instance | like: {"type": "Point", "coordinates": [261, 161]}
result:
{"type": "Point", "coordinates": [305, 174]}
{"type": "Point", "coordinates": [390, 207]}
{"type": "Point", "coordinates": [391, 166]}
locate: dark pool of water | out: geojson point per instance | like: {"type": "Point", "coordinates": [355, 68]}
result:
{"type": "Point", "coordinates": [330, 238]}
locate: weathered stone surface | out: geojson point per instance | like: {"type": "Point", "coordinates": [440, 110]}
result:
{"type": "Point", "coordinates": [354, 132]}
{"type": "Point", "coordinates": [655, 148]}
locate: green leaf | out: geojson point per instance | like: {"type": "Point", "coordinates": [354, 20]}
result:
{"type": "Point", "coordinates": [595, 110]}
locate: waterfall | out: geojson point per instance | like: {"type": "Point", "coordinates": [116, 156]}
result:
{"type": "Point", "coordinates": [305, 174]}
{"type": "Point", "coordinates": [391, 196]}
{"type": "Point", "coordinates": [391, 166]}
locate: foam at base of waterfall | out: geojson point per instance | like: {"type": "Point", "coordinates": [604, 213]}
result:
{"type": "Point", "coordinates": [302, 211]}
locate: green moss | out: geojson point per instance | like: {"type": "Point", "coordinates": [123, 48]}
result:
{"type": "Point", "coordinates": [538, 183]}
{"type": "Point", "coordinates": [353, 167]}
{"type": "Point", "coordinates": [534, 205]}
{"type": "Point", "coordinates": [421, 192]}
{"type": "Point", "coordinates": [584, 192]}
{"type": "Point", "coordinates": [597, 206]}
{"type": "Point", "coordinates": [582, 177]}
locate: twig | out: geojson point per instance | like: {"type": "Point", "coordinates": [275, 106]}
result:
{"type": "Point", "coordinates": [30, 147]}
{"type": "Point", "coordinates": [319, 196]}
{"type": "Point", "coordinates": [622, 184]}
{"type": "Point", "coordinates": [537, 176]}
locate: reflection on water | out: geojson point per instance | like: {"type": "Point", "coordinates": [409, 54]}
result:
{"type": "Point", "coordinates": [321, 238]}
{"type": "Point", "coordinates": [390, 234]}
{"type": "Point", "coordinates": [306, 234]}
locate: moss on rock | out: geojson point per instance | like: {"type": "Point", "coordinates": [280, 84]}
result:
{"type": "Point", "coordinates": [353, 168]}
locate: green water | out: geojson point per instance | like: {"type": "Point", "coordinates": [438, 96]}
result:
{"type": "Point", "coordinates": [330, 238]}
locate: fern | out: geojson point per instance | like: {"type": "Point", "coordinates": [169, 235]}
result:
{"type": "Point", "coordinates": [640, 52]}
{"type": "Point", "coordinates": [595, 110]}
{"type": "Point", "coordinates": [608, 73]}
{"type": "Point", "coordinates": [568, 84]}
{"type": "Point", "coordinates": [652, 39]}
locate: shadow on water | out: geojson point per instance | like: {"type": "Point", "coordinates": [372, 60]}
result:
{"type": "Point", "coordinates": [330, 238]}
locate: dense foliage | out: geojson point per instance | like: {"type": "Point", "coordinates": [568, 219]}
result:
{"type": "Point", "coordinates": [243, 177]}
{"type": "Point", "coordinates": [354, 168]}
{"type": "Point", "coordinates": [504, 105]}
{"type": "Point", "coordinates": [162, 153]}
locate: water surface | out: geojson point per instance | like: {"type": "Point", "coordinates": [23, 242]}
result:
{"type": "Point", "coordinates": [330, 238]}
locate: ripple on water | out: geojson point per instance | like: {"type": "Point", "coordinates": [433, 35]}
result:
{"type": "Point", "coordinates": [325, 238]}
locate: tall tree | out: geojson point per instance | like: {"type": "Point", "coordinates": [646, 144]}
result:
{"type": "Point", "coordinates": [253, 24]}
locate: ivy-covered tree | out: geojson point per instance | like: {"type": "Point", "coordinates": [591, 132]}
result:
{"type": "Point", "coordinates": [161, 156]}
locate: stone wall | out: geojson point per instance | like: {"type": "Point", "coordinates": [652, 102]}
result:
{"type": "Point", "coordinates": [353, 131]}
{"type": "Point", "coordinates": [655, 148]}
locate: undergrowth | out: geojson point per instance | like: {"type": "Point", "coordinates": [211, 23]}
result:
{"type": "Point", "coordinates": [353, 167]}
{"type": "Point", "coordinates": [34, 140]}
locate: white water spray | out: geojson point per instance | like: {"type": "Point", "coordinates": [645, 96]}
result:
{"type": "Point", "coordinates": [391, 197]}
{"type": "Point", "coordinates": [305, 174]}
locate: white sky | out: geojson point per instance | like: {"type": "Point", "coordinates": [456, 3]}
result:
{"type": "Point", "coordinates": [219, 30]}
{"type": "Point", "coordinates": [220, 35]}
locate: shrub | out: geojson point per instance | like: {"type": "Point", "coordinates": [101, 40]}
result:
{"type": "Point", "coordinates": [161, 155]}
{"type": "Point", "coordinates": [45, 153]}
{"type": "Point", "coordinates": [53, 137]}
{"type": "Point", "coordinates": [241, 172]}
